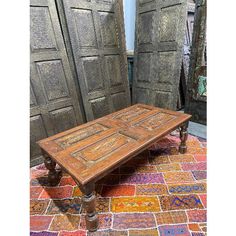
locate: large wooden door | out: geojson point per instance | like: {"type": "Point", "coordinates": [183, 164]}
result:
{"type": "Point", "coordinates": [196, 97]}
{"type": "Point", "coordinates": [96, 33]}
{"type": "Point", "coordinates": [160, 28]}
{"type": "Point", "coordinates": [54, 104]}
{"type": "Point", "coordinates": [188, 39]}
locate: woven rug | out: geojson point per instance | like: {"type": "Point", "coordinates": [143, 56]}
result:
{"type": "Point", "coordinates": [163, 194]}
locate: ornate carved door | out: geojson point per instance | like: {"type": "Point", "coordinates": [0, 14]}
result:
{"type": "Point", "coordinates": [96, 33]}
{"type": "Point", "coordinates": [160, 29]}
{"type": "Point", "coordinates": [196, 96]}
{"type": "Point", "coordinates": [54, 104]}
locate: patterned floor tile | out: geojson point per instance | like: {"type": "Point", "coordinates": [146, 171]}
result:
{"type": "Point", "coordinates": [200, 157]}
{"type": "Point", "coordinates": [197, 215]}
{"type": "Point", "coordinates": [65, 222]}
{"type": "Point", "coordinates": [40, 181]}
{"type": "Point", "coordinates": [199, 175]}
{"type": "Point", "coordinates": [145, 169]}
{"type": "Point", "coordinates": [74, 233]}
{"type": "Point", "coordinates": [198, 234]}
{"type": "Point", "coordinates": [187, 188]}
{"type": "Point", "coordinates": [34, 173]}
{"type": "Point", "coordinates": [57, 192]}
{"type": "Point", "coordinates": [194, 166]}
{"type": "Point", "coordinates": [204, 144]}
{"type": "Point", "coordinates": [44, 233]}
{"type": "Point", "coordinates": [181, 158]}
{"type": "Point", "coordinates": [171, 217]}
{"type": "Point", "coordinates": [133, 220]}
{"type": "Point", "coordinates": [178, 177]}
{"type": "Point", "coordinates": [193, 143]}
{"type": "Point", "coordinates": [204, 199]}
{"type": "Point", "coordinates": [102, 205]}
{"type": "Point", "coordinates": [108, 233]}
{"type": "Point", "coordinates": [176, 181]}
{"type": "Point", "coordinates": [40, 223]}
{"type": "Point", "coordinates": [118, 190]}
{"type": "Point", "coordinates": [151, 189]}
{"type": "Point", "coordinates": [175, 230]}
{"type": "Point", "coordinates": [71, 206]}
{"type": "Point", "coordinates": [135, 204]}
{"type": "Point", "coordinates": [165, 142]}
{"type": "Point", "coordinates": [77, 192]}
{"type": "Point", "coordinates": [168, 167]}
{"type": "Point", "coordinates": [194, 150]}
{"type": "Point", "coordinates": [146, 232]}
{"type": "Point", "coordinates": [67, 181]}
{"type": "Point", "coordinates": [204, 229]}
{"type": "Point", "coordinates": [157, 160]}
{"type": "Point", "coordinates": [38, 207]}
{"type": "Point", "coordinates": [142, 178]}
{"type": "Point", "coordinates": [105, 221]}
{"type": "Point", "coordinates": [177, 202]}
{"type": "Point", "coordinates": [173, 150]}
{"type": "Point", "coordinates": [194, 227]}
{"type": "Point", "coordinates": [41, 167]}
{"type": "Point", "coordinates": [35, 192]}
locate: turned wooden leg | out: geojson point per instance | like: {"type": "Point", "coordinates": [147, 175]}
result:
{"type": "Point", "coordinates": [89, 203]}
{"type": "Point", "coordinates": [53, 175]}
{"type": "Point", "coordinates": [183, 138]}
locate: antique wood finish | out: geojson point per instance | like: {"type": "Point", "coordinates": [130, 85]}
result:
{"type": "Point", "coordinates": [158, 51]}
{"type": "Point", "coordinates": [188, 41]}
{"type": "Point", "coordinates": [54, 105]}
{"type": "Point", "coordinates": [186, 55]}
{"type": "Point", "coordinates": [95, 29]}
{"type": "Point", "coordinates": [89, 204]}
{"type": "Point", "coordinates": [195, 103]}
{"type": "Point", "coordinates": [53, 175]}
{"type": "Point", "coordinates": [183, 138]}
{"type": "Point", "coordinates": [90, 151]}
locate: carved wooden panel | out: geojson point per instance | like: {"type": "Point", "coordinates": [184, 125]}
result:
{"type": "Point", "coordinates": [158, 51]}
{"type": "Point", "coordinates": [195, 102]}
{"type": "Point", "coordinates": [92, 149]}
{"type": "Point", "coordinates": [95, 30]}
{"type": "Point", "coordinates": [53, 99]}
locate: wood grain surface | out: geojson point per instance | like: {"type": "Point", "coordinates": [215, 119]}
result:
{"type": "Point", "coordinates": [90, 151]}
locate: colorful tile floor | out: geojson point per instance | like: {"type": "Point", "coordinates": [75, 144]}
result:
{"type": "Point", "coordinates": [164, 194]}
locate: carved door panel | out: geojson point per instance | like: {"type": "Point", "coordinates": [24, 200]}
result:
{"type": "Point", "coordinates": [196, 96]}
{"type": "Point", "coordinates": [160, 28]}
{"type": "Point", "coordinates": [188, 38]}
{"type": "Point", "coordinates": [96, 32]}
{"type": "Point", "coordinates": [54, 104]}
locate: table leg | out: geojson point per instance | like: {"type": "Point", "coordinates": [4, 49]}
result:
{"type": "Point", "coordinates": [53, 175]}
{"type": "Point", "coordinates": [89, 203]}
{"type": "Point", "coordinates": [183, 138]}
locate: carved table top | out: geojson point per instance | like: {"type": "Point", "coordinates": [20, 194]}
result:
{"type": "Point", "coordinates": [90, 151]}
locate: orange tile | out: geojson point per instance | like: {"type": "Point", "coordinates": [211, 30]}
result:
{"type": "Point", "coordinates": [194, 227]}
{"type": "Point", "coordinates": [118, 190]}
{"type": "Point", "coordinates": [135, 204]}
{"type": "Point", "coordinates": [57, 192]}
{"type": "Point", "coordinates": [203, 198]}
{"type": "Point", "coordinates": [182, 158]}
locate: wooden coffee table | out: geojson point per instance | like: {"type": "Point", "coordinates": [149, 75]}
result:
{"type": "Point", "coordinates": [90, 151]}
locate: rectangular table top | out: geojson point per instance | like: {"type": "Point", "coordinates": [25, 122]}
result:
{"type": "Point", "coordinates": [90, 151]}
